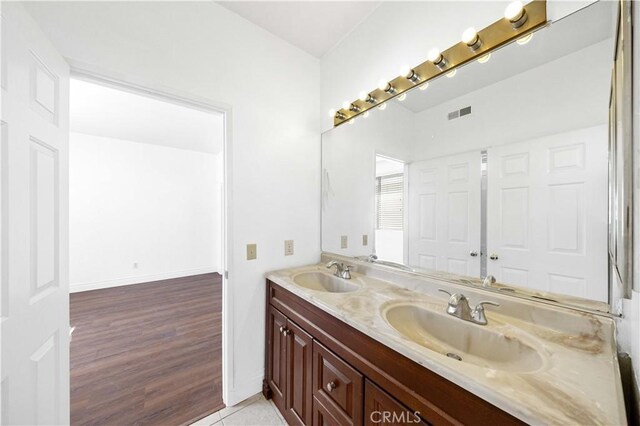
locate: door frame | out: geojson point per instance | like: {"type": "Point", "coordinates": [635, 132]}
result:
{"type": "Point", "coordinates": [130, 84]}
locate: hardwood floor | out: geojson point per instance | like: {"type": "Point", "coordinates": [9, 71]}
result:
{"type": "Point", "coordinates": [147, 353]}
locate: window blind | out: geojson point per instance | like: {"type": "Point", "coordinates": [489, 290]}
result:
{"type": "Point", "coordinates": [390, 201]}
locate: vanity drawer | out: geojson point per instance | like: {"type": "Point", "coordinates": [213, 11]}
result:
{"type": "Point", "coordinates": [337, 386]}
{"type": "Point", "coordinates": [322, 416]}
{"type": "Point", "coordinates": [382, 408]}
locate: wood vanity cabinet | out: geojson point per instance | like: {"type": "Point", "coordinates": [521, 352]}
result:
{"type": "Point", "coordinates": [321, 371]}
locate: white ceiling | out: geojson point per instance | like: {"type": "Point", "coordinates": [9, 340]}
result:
{"type": "Point", "coordinates": [103, 111]}
{"type": "Point", "coordinates": [313, 26]}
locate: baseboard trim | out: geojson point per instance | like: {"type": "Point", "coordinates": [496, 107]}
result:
{"type": "Point", "coordinates": [97, 285]}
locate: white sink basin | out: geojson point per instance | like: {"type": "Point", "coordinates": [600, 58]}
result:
{"type": "Point", "coordinates": [320, 281]}
{"type": "Point", "coordinates": [462, 340]}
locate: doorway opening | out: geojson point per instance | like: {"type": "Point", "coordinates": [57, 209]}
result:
{"type": "Point", "coordinates": [146, 248]}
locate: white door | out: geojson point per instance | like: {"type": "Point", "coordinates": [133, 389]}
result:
{"type": "Point", "coordinates": [444, 214]}
{"type": "Point", "coordinates": [35, 292]}
{"type": "Point", "coordinates": [547, 213]}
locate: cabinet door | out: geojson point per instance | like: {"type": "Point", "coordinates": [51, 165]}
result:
{"type": "Point", "coordinates": [382, 408]}
{"type": "Point", "coordinates": [337, 385]}
{"type": "Point", "coordinates": [299, 367]}
{"type": "Point", "coordinates": [278, 357]}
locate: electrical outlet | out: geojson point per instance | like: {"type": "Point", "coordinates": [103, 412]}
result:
{"type": "Point", "coordinates": [343, 241]}
{"type": "Point", "coordinates": [288, 247]}
{"type": "Point", "coordinates": [365, 240]}
{"type": "Point", "coordinates": [252, 251]}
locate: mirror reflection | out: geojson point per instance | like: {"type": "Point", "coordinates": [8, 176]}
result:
{"type": "Point", "coordinates": [499, 171]}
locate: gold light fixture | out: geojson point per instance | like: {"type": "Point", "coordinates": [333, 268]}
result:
{"type": "Point", "coordinates": [518, 24]}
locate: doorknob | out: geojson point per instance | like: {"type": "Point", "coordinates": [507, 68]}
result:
{"type": "Point", "coordinates": [493, 256]}
{"type": "Point", "coordinates": [473, 253]}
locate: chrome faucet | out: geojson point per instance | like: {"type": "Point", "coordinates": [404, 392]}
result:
{"type": "Point", "coordinates": [458, 306]}
{"type": "Point", "coordinates": [341, 270]}
{"type": "Point", "coordinates": [488, 281]}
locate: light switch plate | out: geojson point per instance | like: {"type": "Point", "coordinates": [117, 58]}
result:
{"type": "Point", "coordinates": [252, 251]}
{"type": "Point", "coordinates": [343, 241]}
{"type": "Point", "coordinates": [365, 240]}
{"type": "Point", "coordinates": [288, 247]}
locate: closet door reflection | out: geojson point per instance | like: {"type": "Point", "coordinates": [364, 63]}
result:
{"type": "Point", "coordinates": [547, 213]}
{"type": "Point", "coordinates": [444, 214]}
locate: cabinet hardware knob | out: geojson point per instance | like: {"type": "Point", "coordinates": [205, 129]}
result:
{"type": "Point", "coordinates": [286, 332]}
{"type": "Point", "coordinates": [281, 329]}
{"type": "Point", "coordinates": [473, 253]}
{"type": "Point", "coordinates": [331, 386]}
{"type": "Point", "coordinates": [493, 256]}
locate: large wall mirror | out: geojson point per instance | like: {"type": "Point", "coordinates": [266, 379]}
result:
{"type": "Point", "coordinates": [499, 170]}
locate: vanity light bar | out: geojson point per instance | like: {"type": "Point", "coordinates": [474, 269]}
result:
{"type": "Point", "coordinates": [519, 21]}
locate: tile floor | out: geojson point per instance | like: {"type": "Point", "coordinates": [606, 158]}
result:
{"type": "Point", "coordinates": [255, 411]}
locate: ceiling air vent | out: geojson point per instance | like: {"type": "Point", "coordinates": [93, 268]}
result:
{"type": "Point", "coordinates": [459, 113]}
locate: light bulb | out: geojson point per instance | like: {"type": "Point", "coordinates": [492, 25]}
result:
{"type": "Point", "coordinates": [363, 96]}
{"type": "Point", "coordinates": [470, 36]}
{"type": "Point", "coordinates": [382, 107]}
{"type": "Point", "coordinates": [484, 58]}
{"type": "Point", "coordinates": [524, 40]}
{"type": "Point", "coordinates": [406, 71]}
{"type": "Point", "coordinates": [516, 14]}
{"type": "Point", "coordinates": [402, 97]}
{"type": "Point", "coordinates": [382, 85]}
{"type": "Point", "coordinates": [365, 114]}
{"type": "Point", "coordinates": [424, 86]}
{"type": "Point", "coordinates": [434, 55]}
{"type": "Point", "coordinates": [346, 105]}
{"type": "Point", "coordinates": [332, 113]}
{"type": "Point", "coordinates": [452, 73]}
{"type": "Point", "coordinates": [353, 120]}
{"type": "Point", "coordinates": [514, 10]}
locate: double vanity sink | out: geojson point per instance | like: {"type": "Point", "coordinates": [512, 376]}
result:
{"type": "Point", "coordinates": [539, 363]}
{"type": "Point", "coordinates": [438, 331]}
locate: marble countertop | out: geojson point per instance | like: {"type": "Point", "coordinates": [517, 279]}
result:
{"type": "Point", "coordinates": [576, 382]}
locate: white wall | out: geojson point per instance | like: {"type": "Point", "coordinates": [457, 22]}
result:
{"type": "Point", "coordinates": [201, 48]}
{"type": "Point", "coordinates": [131, 202]}
{"type": "Point", "coordinates": [575, 95]}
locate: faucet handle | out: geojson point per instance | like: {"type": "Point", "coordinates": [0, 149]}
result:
{"type": "Point", "coordinates": [480, 305]}
{"type": "Point", "coordinates": [332, 263]}
{"type": "Point", "coordinates": [445, 291]}
{"type": "Point", "coordinates": [478, 314]}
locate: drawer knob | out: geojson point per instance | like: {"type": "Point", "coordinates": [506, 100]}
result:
{"type": "Point", "coordinates": [331, 386]}
{"type": "Point", "coordinates": [286, 332]}
{"type": "Point", "coordinates": [281, 329]}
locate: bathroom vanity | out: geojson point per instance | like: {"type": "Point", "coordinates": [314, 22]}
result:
{"type": "Point", "coordinates": [349, 351]}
